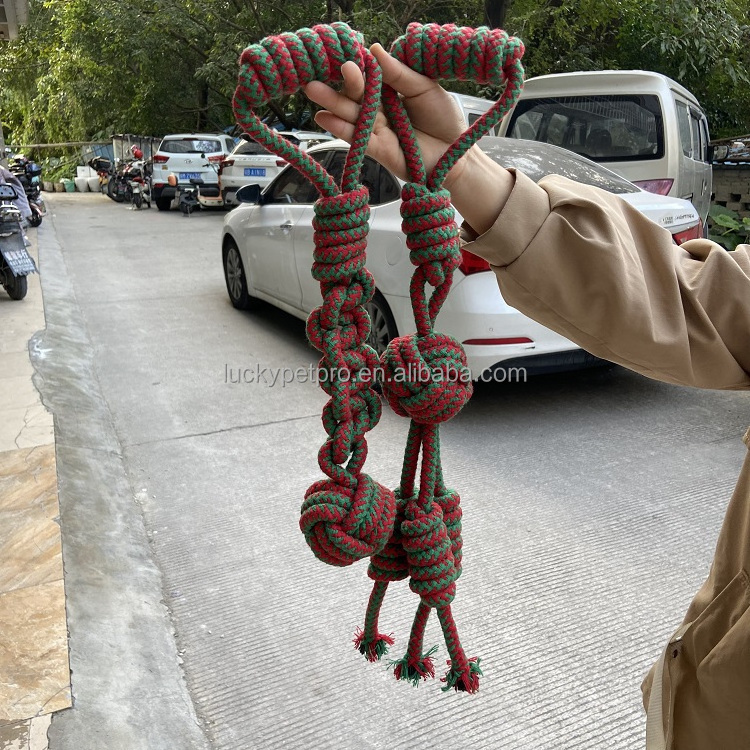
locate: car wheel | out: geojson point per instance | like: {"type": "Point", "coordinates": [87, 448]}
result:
{"type": "Point", "coordinates": [383, 326]}
{"type": "Point", "coordinates": [163, 204]}
{"type": "Point", "coordinates": [236, 279]}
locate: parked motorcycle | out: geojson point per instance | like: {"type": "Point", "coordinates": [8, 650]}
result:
{"type": "Point", "coordinates": [118, 187]}
{"type": "Point", "coordinates": [103, 168]}
{"type": "Point", "coordinates": [199, 194]}
{"type": "Point", "coordinates": [15, 262]}
{"type": "Point", "coordinates": [29, 174]}
{"type": "Point", "coordinates": [139, 180]}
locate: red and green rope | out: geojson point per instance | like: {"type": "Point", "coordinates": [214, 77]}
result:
{"type": "Point", "coordinates": [416, 531]}
{"type": "Point", "coordinates": [348, 515]}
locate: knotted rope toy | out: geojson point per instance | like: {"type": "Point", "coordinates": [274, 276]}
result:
{"type": "Point", "coordinates": [348, 516]}
{"type": "Point", "coordinates": [414, 532]}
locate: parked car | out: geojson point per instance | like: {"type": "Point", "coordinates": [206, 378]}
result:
{"type": "Point", "coordinates": [472, 107]}
{"type": "Point", "coordinates": [267, 254]}
{"type": "Point", "coordinates": [187, 155]}
{"type": "Point", "coordinates": [251, 163]}
{"type": "Point", "coordinates": [642, 125]}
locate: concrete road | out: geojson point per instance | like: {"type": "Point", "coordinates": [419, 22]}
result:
{"type": "Point", "coordinates": [199, 618]}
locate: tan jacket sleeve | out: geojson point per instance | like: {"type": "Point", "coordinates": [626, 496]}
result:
{"type": "Point", "coordinates": [586, 264]}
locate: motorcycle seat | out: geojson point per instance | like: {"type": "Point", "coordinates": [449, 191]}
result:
{"type": "Point", "coordinates": [196, 181]}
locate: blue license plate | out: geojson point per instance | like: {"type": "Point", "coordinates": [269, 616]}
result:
{"type": "Point", "coordinates": [189, 175]}
{"type": "Point", "coordinates": [255, 171]}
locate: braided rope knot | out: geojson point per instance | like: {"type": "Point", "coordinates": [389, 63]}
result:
{"type": "Point", "coordinates": [450, 504]}
{"type": "Point", "coordinates": [432, 234]}
{"type": "Point", "coordinates": [282, 64]}
{"type": "Point", "coordinates": [340, 229]}
{"type": "Point", "coordinates": [390, 564]}
{"type": "Point", "coordinates": [426, 377]}
{"type": "Point", "coordinates": [459, 53]}
{"type": "Point", "coordinates": [432, 570]}
{"type": "Point", "coordinates": [343, 524]}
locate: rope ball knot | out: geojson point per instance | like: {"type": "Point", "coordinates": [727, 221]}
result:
{"type": "Point", "coordinates": [344, 524]}
{"type": "Point", "coordinates": [426, 378]}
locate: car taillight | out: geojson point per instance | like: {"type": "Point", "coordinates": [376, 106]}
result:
{"type": "Point", "coordinates": [280, 163]}
{"type": "Point", "coordinates": [694, 233]}
{"type": "Point", "coordinates": [216, 157]}
{"type": "Point", "coordinates": [160, 159]}
{"type": "Point", "coordinates": [660, 187]}
{"type": "Point", "coordinates": [471, 263]}
{"type": "Point", "coordinates": [496, 342]}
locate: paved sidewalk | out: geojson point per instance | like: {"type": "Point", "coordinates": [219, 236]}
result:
{"type": "Point", "coordinates": [34, 673]}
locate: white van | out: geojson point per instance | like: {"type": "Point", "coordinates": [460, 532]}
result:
{"type": "Point", "coordinates": [641, 125]}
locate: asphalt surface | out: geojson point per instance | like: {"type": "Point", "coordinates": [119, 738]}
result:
{"type": "Point", "coordinates": [199, 618]}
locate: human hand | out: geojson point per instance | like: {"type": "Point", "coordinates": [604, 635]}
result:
{"type": "Point", "coordinates": [478, 185]}
{"type": "Point", "coordinates": [433, 113]}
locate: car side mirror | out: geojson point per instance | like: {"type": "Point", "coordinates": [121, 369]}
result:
{"type": "Point", "coordinates": [718, 153]}
{"type": "Point", "coordinates": [8, 193]}
{"type": "Point", "coordinates": [248, 194]}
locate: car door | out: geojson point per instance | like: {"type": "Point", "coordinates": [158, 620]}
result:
{"type": "Point", "coordinates": [270, 247]}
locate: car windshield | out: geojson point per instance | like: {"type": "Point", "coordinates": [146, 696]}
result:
{"type": "Point", "coordinates": [536, 160]}
{"type": "Point", "coordinates": [604, 128]}
{"type": "Point", "coordinates": [190, 146]}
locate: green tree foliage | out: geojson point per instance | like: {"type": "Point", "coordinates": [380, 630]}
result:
{"type": "Point", "coordinates": [88, 67]}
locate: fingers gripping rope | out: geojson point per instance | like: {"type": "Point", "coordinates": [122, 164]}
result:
{"type": "Point", "coordinates": [425, 374]}
{"type": "Point", "coordinates": [349, 515]}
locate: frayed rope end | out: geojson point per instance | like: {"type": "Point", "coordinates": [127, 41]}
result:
{"type": "Point", "coordinates": [463, 682]}
{"type": "Point", "coordinates": [372, 649]}
{"type": "Point", "coordinates": [414, 671]}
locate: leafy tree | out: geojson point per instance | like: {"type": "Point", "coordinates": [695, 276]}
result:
{"type": "Point", "coordinates": [87, 67]}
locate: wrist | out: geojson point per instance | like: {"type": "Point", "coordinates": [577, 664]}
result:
{"type": "Point", "coordinates": [479, 188]}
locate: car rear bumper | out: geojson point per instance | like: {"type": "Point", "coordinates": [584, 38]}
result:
{"type": "Point", "coordinates": [475, 311]}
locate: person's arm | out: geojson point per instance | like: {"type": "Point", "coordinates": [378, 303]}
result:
{"type": "Point", "coordinates": [588, 265]}
{"type": "Point", "coordinates": [575, 258]}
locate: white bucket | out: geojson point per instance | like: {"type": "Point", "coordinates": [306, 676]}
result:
{"type": "Point", "coordinates": [93, 184]}
{"type": "Point", "coordinates": [82, 184]}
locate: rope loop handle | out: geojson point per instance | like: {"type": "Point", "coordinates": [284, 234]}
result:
{"type": "Point", "coordinates": [461, 53]}
{"type": "Point", "coordinates": [349, 515]}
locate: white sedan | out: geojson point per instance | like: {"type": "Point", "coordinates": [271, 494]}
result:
{"type": "Point", "coordinates": [250, 162]}
{"type": "Point", "coordinates": [267, 253]}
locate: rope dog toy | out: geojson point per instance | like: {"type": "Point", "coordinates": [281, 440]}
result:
{"type": "Point", "coordinates": [349, 515]}
{"type": "Point", "coordinates": [425, 373]}
{"type": "Point", "coordinates": [413, 533]}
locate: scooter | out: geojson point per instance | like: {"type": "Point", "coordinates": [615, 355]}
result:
{"type": "Point", "coordinates": [15, 262]}
{"type": "Point", "coordinates": [199, 194]}
{"type": "Point", "coordinates": [29, 174]}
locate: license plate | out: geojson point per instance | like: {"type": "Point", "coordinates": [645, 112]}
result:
{"type": "Point", "coordinates": [255, 171]}
{"type": "Point", "coordinates": [189, 175]}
